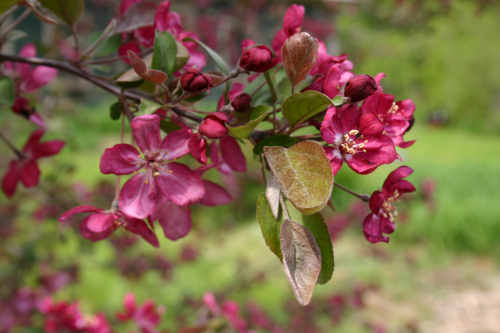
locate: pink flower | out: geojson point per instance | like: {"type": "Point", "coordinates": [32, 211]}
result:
{"type": "Point", "coordinates": [229, 310]}
{"type": "Point", "coordinates": [381, 219]}
{"type": "Point", "coordinates": [235, 91]}
{"type": "Point", "coordinates": [101, 224]}
{"type": "Point", "coordinates": [25, 169]}
{"type": "Point", "coordinates": [227, 155]}
{"type": "Point", "coordinates": [352, 140]}
{"type": "Point", "coordinates": [28, 78]}
{"type": "Point", "coordinates": [147, 316]}
{"type": "Point", "coordinates": [394, 118]}
{"type": "Point", "coordinates": [159, 176]}
{"type": "Point", "coordinates": [292, 23]}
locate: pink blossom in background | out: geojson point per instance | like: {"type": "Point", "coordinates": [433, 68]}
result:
{"type": "Point", "coordinates": [25, 169]}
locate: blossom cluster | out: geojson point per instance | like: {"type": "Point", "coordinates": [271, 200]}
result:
{"type": "Point", "coordinates": [166, 168]}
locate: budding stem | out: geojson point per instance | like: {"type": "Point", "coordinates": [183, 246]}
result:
{"type": "Point", "coordinates": [364, 197]}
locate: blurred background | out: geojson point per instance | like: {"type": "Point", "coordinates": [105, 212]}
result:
{"type": "Point", "coordinates": [439, 273]}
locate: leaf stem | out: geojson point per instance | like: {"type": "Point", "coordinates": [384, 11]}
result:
{"type": "Point", "coordinates": [14, 24]}
{"type": "Point", "coordinates": [284, 208]}
{"type": "Point", "coordinates": [364, 197]}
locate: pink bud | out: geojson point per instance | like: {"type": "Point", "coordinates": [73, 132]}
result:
{"type": "Point", "coordinates": [195, 81]}
{"type": "Point", "coordinates": [360, 87]}
{"type": "Point", "coordinates": [213, 125]}
{"type": "Point", "coordinates": [258, 59]}
{"type": "Point", "coordinates": [241, 103]}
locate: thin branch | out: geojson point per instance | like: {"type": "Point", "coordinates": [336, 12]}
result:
{"type": "Point", "coordinates": [103, 84]}
{"type": "Point", "coordinates": [105, 34]}
{"type": "Point", "coordinates": [364, 197]}
{"type": "Point", "coordinates": [11, 146]}
{"type": "Point", "coordinates": [6, 14]}
{"type": "Point", "coordinates": [14, 24]}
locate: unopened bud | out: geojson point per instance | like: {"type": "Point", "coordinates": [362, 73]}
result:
{"type": "Point", "coordinates": [195, 81]}
{"type": "Point", "coordinates": [241, 103]}
{"type": "Point", "coordinates": [299, 54]}
{"type": "Point", "coordinates": [213, 126]}
{"type": "Point", "coordinates": [258, 59]}
{"type": "Point", "coordinates": [360, 87]}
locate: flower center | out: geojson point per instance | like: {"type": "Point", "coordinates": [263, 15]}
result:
{"type": "Point", "coordinates": [388, 209]}
{"type": "Point", "coordinates": [349, 144]}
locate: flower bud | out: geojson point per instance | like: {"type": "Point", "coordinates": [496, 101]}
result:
{"type": "Point", "coordinates": [241, 103]}
{"type": "Point", "coordinates": [258, 59]}
{"type": "Point", "coordinates": [213, 126]}
{"type": "Point", "coordinates": [360, 87]}
{"type": "Point", "coordinates": [299, 54]}
{"type": "Point", "coordinates": [195, 81]}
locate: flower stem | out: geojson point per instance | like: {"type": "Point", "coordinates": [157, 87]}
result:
{"type": "Point", "coordinates": [283, 207]}
{"type": "Point", "coordinates": [364, 197]}
{"type": "Point", "coordinates": [11, 146]}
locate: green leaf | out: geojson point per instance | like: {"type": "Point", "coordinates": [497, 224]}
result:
{"type": "Point", "coordinates": [338, 100]}
{"type": "Point", "coordinates": [6, 4]}
{"type": "Point", "coordinates": [301, 259]}
{"type": "Point", "coordinates": [115, 111]}
{"type": "Point", "coordinates": [257, 115]}
{"type": "Point", "coordinates": [275, 140]}
{"type": "Point", "coordinates": [304, 174]}
{"type": "Point", "coordinates": [182, 56]}
{"type": "Point", "coordinates": [302, 106]}
{"type": "Point", "coordinates": [221, 63]}
{"type": "Point", "coordinates": [68, 10]}
{"type": "Point", "coordinates": [165, 52]}
{"type": "Point", "coordinates": [269, 226]}
{"type": "Point", "coordinates": [7, 92]}
{"type": "Point", "coordinates": [318, 228]}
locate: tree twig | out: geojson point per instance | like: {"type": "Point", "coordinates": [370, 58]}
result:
{"type": "Point", "coordinates": [364, 197]}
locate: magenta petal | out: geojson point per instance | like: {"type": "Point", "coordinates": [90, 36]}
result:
{"type": "Point", "coordinates": [99, 223]}
{"type": "Point", "coordinates": [278, 41]}
{"type": "Point", "coordinates": [175, 220]}
{"type": "Point", "coordinates": [78, 210]}
{"type": "Point", "coordinates": [161, 16]}
{"type": "Point", "coordinates": [137, 196]}
{"type": "Point", "coordinates": [40, 76]}
{"type": "Point", "coordinates": [396, 175]}
{"type": "Point", "coordinates": [180, 184]}
{"type": "Point", "coordinates": [176, 144]}
{"type": "Point", "coordinates": [33, 140]}
{"type": "Point", "coordinates": [369, 124]}
{"type": "Point", "coordinates": [48, 148]}
{"type": "Point", "coordinates": [406, 144]}
{"type": "Point", "coordinates": [30, 173]}
{"type": "Point", "coordinates": [232, 154]}
{"type": "Point", "coordinates": [215, 195]}
{"type": "Point", "coordinates": [293, 19]}
{"type": "Point", "coordinates": [146, 130]}
{"type": "Point", "coordinates": [335, 158]}
{"type": "Point", "coordinates": [121, 159]}
{"type": "Point", "coordinates": [139, 227]}
{"type": "Point", "coordinates": [11, 178]}
{"type": "Point", "coordinates": [372, 228]}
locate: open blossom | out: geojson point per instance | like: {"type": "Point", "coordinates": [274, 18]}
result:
{"type": "Point", "coordinates": [164, 20]}
{"type": "Point", "coordinates": [27, 79]}
{"type": "Point", "coordinates": [100, 224]}
{"type": "Point", "coordinates": [229, 310]}
{"type": "Point", "coordinates": [146, 316]}
{"type": "Point", "coordinates": [63, 316]}
{"type": "Point", "coordinates": [25, 168]}
{"type": "Point", "coordinates": [393, 118]}
{"type": "Point", "coordinates": [292, 22]}
{"type": "Point", "coordinates": [352, 140]}
{"type": "Point", "coordinates": [155, 172]}
{"type": "Point", "coordinates": [381, 219]}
